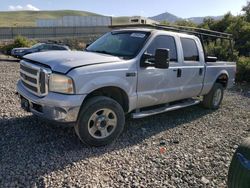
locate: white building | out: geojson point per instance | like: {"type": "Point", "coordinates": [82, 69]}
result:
{"type": "Point", "coordinates": [141, 20]}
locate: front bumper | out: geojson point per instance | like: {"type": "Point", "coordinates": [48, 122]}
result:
{"type": "Point", "coordinates": [17, 54]}
{"type": "Point", "coordinates": [57, 107]}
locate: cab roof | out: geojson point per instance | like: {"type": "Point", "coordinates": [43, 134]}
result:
{"type": "Point", "coordinates": [154, 31]}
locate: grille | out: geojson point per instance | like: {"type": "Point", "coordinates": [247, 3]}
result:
{"type": "Point", "coordinates": [34, 78]}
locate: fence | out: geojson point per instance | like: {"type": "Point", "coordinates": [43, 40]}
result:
{"type": "Point", "coordinates": [75, 21]}
{"type": "Point", "coordinates": [9, 33]}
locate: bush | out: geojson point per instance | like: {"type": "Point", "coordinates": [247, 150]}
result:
{"type": "Point", "coordinates": [243, 70]}
{"type": "Point", "coordinates": [23, 42]}
{"type": "Point", "coordinates": [221, 50]}
{"type": "Point", "coordinates": [18, 42]}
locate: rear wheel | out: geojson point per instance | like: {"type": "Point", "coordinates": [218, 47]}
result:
{"type": "Point", "coordinates": [100, 122]}
{"type": "Point", "coordinates": [239, 171]}
{"type": "Point", "coordinates": [214, 98]}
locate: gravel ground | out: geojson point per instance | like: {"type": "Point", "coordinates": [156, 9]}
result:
{"type": "Point", "coordinates": [191, 147]}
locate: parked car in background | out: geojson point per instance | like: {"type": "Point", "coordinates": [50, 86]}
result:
{"type": "Point", "coordinates": [39, 47]}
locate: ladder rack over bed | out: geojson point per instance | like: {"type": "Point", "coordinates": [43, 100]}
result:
{"type": "Point", "coordinates": [199, 32]}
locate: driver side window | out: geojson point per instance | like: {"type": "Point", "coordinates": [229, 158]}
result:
{"type": "Point", "coordinates": [164, 41]}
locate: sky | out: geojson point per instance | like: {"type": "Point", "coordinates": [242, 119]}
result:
{"type": "Point", "coordinates": [180, 8]}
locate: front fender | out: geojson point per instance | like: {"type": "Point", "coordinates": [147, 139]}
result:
{"type": "Point", "coordinates": [105, 81]}
{"type": "Point", "coordinates": [87, 81]}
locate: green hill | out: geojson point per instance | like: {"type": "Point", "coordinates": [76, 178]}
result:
{"type": "Point", "coordinates": [28, 18]}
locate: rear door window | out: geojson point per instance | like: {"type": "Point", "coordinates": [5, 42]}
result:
{"type": "Point", "coordinates": [190, 49]}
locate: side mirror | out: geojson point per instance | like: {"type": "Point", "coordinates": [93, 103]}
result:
{"type": "Point", "coordinates": [211, 59]}
{"type": "Point", "coordinates": [162, 58]}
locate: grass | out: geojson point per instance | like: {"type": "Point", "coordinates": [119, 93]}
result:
{"type": "Point", "coordinates": [28, 18]}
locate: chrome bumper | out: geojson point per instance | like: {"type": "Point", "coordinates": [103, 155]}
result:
{"type": "Point", "coordinates": [54, 106]}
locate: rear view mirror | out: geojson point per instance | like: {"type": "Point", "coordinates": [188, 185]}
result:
{"type": "Point", "coordinates": [162, 58]}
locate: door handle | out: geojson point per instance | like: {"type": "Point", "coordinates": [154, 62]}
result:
{"type": "Point", "coordinates": [179, 72]}
{"type": "Point", "coordinates": [201, 71]}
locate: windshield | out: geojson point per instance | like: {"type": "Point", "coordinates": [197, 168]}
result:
{"type": "Point", "coordinates": [36, 45]}
{"type": "Point", "coordinates": [124, 44]}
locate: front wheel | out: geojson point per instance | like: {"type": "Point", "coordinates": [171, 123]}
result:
{"type": "Point", "coordinates": [101, 121]}
{"type": "Point", "coordinates": [214, 98]}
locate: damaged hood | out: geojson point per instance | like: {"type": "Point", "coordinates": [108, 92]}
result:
{"type": "Point", "coordinates": [64, 61]}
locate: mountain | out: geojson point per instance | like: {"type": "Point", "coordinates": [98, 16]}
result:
{"type": "Point", "coordinates": [199, 20]}
{"type": "Point", "coordinates": [165, 17]}
{"type": "Point", "coordinates": [28, 18]}
{"type": "Point", "coordinates": [172, 18]}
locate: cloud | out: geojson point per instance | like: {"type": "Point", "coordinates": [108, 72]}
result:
{"type": "Point", "coordinates": [26, 7]}
{"type": "Point", "coordinates": [142, 13]}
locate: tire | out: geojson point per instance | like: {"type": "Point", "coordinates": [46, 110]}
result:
{"type": "Point", "coordinates": [239, 171]}
{"type": "Point", "coordinates": [100, 121]}
{"type": "Point", "coordinates": [213, 100]}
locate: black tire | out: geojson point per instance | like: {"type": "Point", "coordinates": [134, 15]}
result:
{"type": "Point", "coordinates": [239, 172]}
{"type": "Point", "coordinates": [91, 108]}
{"type": "Point", "coordinates": [208, 100]}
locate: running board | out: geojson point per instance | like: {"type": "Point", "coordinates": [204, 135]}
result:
{"type": "Point", "coordinates": [142, 114]}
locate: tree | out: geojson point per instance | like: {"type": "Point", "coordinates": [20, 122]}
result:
{"type": "Point", "coordinates": [224, 23]}
{"type": "Point", "coordinates": [207, 23]}
{"type": "Point", "coordinates": [246, 9]}
{"type": "Point", "coordinates": [165, 22]}
{"type": "Point", "coordinates": [241, 34]}
{"type": "Point", "coordinates": [185, 23]}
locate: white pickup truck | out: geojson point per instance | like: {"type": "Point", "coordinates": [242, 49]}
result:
{"type": "Point", "coordinates": [137, 71]}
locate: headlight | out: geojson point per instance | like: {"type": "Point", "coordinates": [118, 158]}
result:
{"type": "Point", "coordinates": [61, 84]}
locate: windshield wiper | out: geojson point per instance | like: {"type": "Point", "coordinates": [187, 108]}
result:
{"type": "Point", "coordinates": [108, 53]}
{"type": "Point", "coordinates": [103, 52]}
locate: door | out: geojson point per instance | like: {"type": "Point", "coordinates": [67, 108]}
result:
{"type": "Point", "coordinates": [193, 68]}
{"type": "Point", "coordinates": [158, 86]}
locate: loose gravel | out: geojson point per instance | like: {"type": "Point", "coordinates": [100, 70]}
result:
{"type": "Point", "coordinates": [190, 147]}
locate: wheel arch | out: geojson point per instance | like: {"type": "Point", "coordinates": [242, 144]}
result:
{"type": "Point", "coordinates": [222, 78]}
{"type": "Point", "coordinates": [113, 92]}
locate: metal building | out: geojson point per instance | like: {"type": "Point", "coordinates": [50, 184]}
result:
{"type": "Point", "coordinates": [75, 21]}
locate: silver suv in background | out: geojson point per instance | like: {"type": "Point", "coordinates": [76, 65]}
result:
{"type": "Point", "coordinates": [137, 71]}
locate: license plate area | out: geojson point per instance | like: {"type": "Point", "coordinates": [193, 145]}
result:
{"type": "Point", "coordinates": [29, 105]}
{"type": "Point", "coordinates": [25, 104]}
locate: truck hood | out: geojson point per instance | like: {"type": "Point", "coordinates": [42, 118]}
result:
{"type": "Point", "coordinates": [64, 61]}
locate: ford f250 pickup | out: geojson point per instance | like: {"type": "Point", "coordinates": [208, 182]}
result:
{"type": "Point", "coordinates": [137, 71]}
